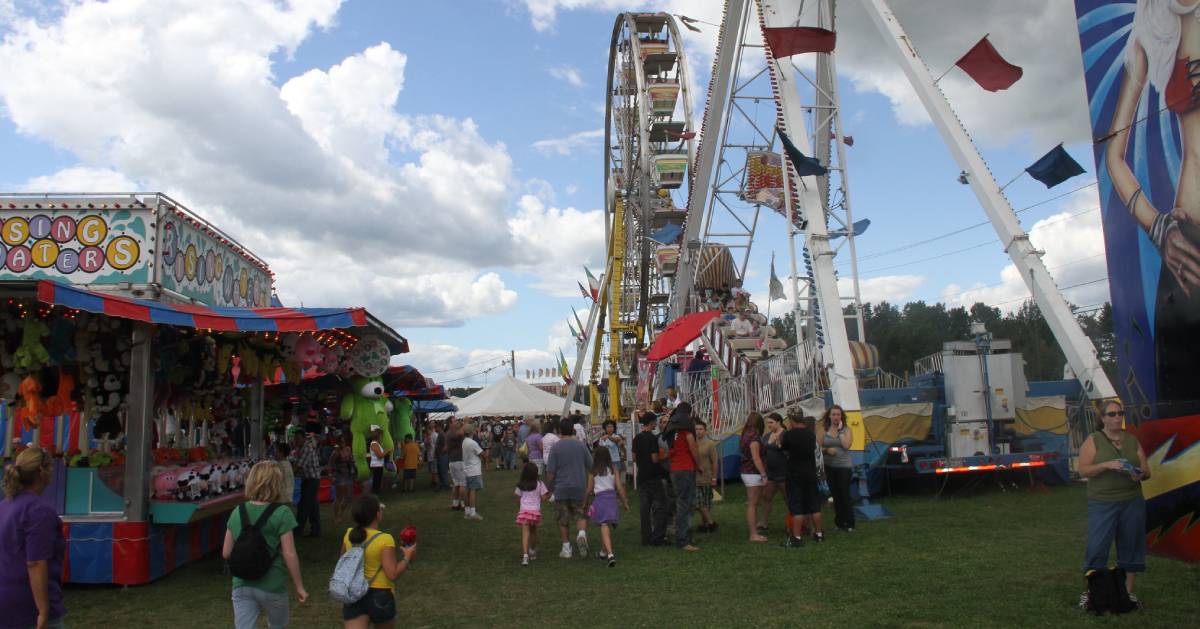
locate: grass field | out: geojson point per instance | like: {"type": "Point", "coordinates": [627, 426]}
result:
{"type": "Point", "coordinates": [985, 559]}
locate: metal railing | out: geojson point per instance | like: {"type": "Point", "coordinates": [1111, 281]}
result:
{"type": "Point", "coordinates": [787, 378]}
{"type": "Point", "coordinates": [929, 364]}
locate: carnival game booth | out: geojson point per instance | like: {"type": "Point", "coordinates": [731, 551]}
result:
{"type": "Point", "coordinates": [148, 467]}
{"type": "Point", "coordinates": [136, 340]}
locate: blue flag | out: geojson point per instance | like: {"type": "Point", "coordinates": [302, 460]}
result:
{"type": "Point", "coordinates": [1055, 167]}
{"type": "Point", "coordinates": [804, 165]}
{"type": "Point", "coordinates": [857, 229]}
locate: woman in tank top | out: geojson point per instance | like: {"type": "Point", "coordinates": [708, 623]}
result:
{"type": "Point", "coordinates": [1114, 465]}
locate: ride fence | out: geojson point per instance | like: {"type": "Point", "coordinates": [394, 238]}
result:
{"type": "Point", "coordinates": [787, 378]}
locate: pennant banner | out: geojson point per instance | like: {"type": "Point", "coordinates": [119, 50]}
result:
{"type": "Point", "coordinates": [794, 40]}
{"type": "Point", "coordinates": [776, 286]}
{"type": "Point", "coordinates": [984, 64]}
{"type": "Point", "coordinates": [1055, 167]}
{"type": "Point", "coordinates": [805, 166]}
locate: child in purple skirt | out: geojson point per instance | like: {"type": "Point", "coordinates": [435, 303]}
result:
{"type": "Point", "coordinates": [604, 484]}
{"type": "Point", "coordinates": [531, 493]}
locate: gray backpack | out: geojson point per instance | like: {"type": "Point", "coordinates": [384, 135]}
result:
{"type": "Point", "coordinates": [349, 582]}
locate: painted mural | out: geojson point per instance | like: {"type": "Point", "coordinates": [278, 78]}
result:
{"type": "Point", "coordinates": [196, 265]}
{"type": "Point", "coordinates": [1141, 63]}
{"type": "Point", "coordinates": [75, 246]}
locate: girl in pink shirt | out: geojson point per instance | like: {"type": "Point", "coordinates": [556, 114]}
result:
{"type": "Point", "coordinates": [530, 492]}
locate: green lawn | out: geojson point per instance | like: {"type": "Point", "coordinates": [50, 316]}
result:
{"type": "Point", "coordinates": [983, 559]}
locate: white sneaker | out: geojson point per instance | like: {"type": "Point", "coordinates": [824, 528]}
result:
{"type": "Point", "coordinates": [532, 554]}
{"type": "Point", "coordinates": [581, 542]}
{"type": "Point", "coordinates": [524, 560]}
{"type": "Point", "coordinates": [473, 516]}
{"type": "Point", "coordinates": [565, 553]}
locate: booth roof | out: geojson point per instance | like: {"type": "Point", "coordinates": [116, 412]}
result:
{"type": "Point", "coordinates": [219, 319]}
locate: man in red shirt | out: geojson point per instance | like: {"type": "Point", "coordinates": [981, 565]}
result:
{"type": "Point", "coordinates": [684, 456]}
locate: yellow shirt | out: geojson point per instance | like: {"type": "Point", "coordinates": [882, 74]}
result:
{"type": "Point", "coordinates": [373, 557]}
{"type": "Point", "coordinates": [412, 455]}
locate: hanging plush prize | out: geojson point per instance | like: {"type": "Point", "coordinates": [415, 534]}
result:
{"type": "Point", "coordinates": [369, 357]}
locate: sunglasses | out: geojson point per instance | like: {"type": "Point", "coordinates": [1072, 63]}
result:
{"type": "Point", "coordinates": [1115, 413]}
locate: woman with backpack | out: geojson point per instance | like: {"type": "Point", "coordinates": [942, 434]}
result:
{"type": "Point", "coordinates": [261, 551]}
{"type": "Point", "coordinates": [380, 566]}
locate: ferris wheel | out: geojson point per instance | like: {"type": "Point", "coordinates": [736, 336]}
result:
{"type": "Point", "coordinates": [649, 149]}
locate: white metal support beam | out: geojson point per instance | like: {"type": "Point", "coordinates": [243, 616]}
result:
{"type": "Point", "coordinates": [836, 353]}
{"type": "Point", "coordinates": [705, 159]}
{"type": "Point", "coordinates": [1080, 353]}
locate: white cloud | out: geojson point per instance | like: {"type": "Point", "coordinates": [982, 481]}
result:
{"type": "Point", "coordinates": [571, 189]}
{"type": "Point", "coordinates": [555, 243]}
{"type": "Point", "coordinates": [567, 73]}
{"type": "Point", "coordinates": [568, 144]}
{"type": "Point", "coordinates": [350, 199]}
{"type": "Point", "coordinates": [81, 179]}
{"type": "Point", "coordinates": [1074, 244]}
{"type": "Point", "coordinates": [890, 288]}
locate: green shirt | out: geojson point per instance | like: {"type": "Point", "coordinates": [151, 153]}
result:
{"type": "Point", "coordinates": [281, 522]}
{"type": "Point", "coordinates": [1111, 485]}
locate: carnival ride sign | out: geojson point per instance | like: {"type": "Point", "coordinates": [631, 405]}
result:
{"type": "Point", "coordinates": [80, 246]}
{"type": "Point", "coordinates": [764, 179]}
{"type": "Point", "coordinates": [196, 265]}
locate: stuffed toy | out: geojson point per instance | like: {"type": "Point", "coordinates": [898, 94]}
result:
{"type": "Point", "coordinates": [35, 408]}
{"type": "Point", "coordinates": [32, 353]}
{"type": "Point", "coordinates": [164, 484]}
{"type": "Point", "coordinates": [308, 352]}
{"type": "Point", "coordinates": [402, 419]}
{"type": "Point", "coordinates": [364, 406]}
{"type": "Point", "coordinates": [62, 402]}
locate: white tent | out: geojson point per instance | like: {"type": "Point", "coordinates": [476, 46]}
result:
{"type": "Point", "coordinates": [509, 396]}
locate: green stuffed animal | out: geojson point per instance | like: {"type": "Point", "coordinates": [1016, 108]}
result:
{"type": "Point", "coordinates": [32, 354]}
{"type": "Point", "coordinates": [365, 406]}
{"type": "Point", "coordinates": [402, 419]}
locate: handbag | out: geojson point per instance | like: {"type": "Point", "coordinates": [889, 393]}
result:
{"type": "Point", "coordinates": [523, 450]}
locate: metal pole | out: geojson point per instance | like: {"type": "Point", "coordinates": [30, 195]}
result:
{"type": "Point", "coordinates": [255, 448]}
{"type": "Point", "coordinates": [512, 362]}
{"type": "Point", "coordinates": [137, 423]}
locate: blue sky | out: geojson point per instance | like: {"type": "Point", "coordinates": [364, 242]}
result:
{"type": "Point", "coordinates": [404, 103]}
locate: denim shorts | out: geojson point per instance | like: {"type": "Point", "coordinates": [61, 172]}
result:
{"type": "Point", "coordinates": [474, 483]}
{"type": "Point", "coordinates": [249, 602]}
{"type": "Point", "coordinates": [377, 604]}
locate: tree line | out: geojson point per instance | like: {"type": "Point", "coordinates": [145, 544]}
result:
{"type": "Point", "coordinates": [907, 333]}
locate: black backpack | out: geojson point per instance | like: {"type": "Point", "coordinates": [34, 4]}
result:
{"type": "Point", "coordinates": [251, 557]}
{"type": "Point", "coordinates": [1107, 593]}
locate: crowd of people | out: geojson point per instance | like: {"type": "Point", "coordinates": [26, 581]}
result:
{"type": "Point", "coordinates": [671, 460]}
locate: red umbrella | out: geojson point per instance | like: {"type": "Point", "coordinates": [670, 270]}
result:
{"type": "Point", "coordinates": [679, 333]}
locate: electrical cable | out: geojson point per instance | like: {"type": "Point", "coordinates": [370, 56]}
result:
{"type": "Point", "coordinates": [478, 362]}
{"type": "Point", "coordinates": [478, 373]}
{"type": "Point", "coordinates": [976, 246]}
{"type": "Point", "coordinates": [911, 245]}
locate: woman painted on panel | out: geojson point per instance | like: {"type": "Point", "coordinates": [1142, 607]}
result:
{"type": "Point", "coordinates": [1164, 50]}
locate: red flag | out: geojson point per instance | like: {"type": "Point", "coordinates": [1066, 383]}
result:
{"type": "Point", "coordinates": [988, 68]}
{"type": "Point", "coordinates": [848, 140]}
{"type": "Point", "coordinates": [793, 40]}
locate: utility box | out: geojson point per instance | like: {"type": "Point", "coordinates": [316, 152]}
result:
{"type": "Point", "coordinates": [971, 429]}
{"type": "Point", "coordinates": [140, 245]}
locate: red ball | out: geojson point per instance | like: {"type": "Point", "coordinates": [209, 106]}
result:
{"type": "Point", "coordinates": [408, 536]}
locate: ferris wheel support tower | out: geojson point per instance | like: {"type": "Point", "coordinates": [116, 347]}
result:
{"type": "Point", "coordinates": [1078, 348]}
